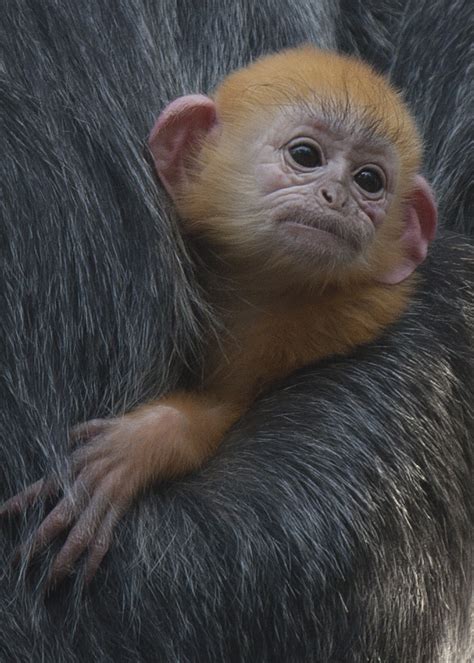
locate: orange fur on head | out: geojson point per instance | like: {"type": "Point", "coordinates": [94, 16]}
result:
{"type": "Point", "coordinates": [337, 89]}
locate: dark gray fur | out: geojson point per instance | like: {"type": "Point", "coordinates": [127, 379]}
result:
{"type": "Point", "coordinates": [369, 29]}
{"type": "Point", "coordinates": [334, 525]}
{"type": "Point", "coordinates": [444, 105]}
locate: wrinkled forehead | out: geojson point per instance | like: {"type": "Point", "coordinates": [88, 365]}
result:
{"type": "Point", "coordinates": [364, 107]}
{"type": "Point", "coordinates": [338, 117]}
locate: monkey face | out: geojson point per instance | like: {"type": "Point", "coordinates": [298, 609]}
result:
{"type": "Point", "coordinates": [302, 167]}
{"type": "Point", "coordinates": [324, 191]}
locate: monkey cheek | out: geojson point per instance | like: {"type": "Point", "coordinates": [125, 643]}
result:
{"type": "Point", "coordinates": [374, 211]}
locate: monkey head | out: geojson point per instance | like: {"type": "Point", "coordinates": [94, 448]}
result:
{"type": "Point", "coordinates": [305, 164]}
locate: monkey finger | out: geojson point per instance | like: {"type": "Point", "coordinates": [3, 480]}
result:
{"type": "Point", "coordinates": [78, 540]}
{"type": "Point", "coordinates": [101, 543]}
{"type": "Point", "coordinates": [92, 455]}
{"type": "Point", "coordinates": [89, 429]}
{"type": "Point", "coordinates": [59, 519]}
{"type": "Point", "coordinates": [18, 503]}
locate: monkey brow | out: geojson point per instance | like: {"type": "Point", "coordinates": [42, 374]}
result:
{"type": "Point", "coordinates": [367, 127]}
{"type": "Point", "coordinates": [372, 125]}
{"type": "Point", "coordinates": [377, 122]}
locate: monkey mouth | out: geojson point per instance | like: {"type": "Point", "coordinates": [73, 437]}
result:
{"type": "Point", "coordinates": [323, 228]}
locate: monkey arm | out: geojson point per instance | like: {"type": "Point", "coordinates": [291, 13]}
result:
{"type": "Point", "coordinates": [173, 436]}
{"type": "Point", "coordinates": [120, 458]}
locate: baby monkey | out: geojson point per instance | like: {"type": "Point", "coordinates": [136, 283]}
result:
{"type": "Point", "coordinates": [299, 182]}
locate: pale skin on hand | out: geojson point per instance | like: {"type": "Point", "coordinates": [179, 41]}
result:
{"type": "Point", "coordinates": [302, 174]}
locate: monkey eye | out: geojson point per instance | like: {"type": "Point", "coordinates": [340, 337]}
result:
{"type": "Point", "coordinates": [370, 180]}
{"type": "Point", "coordinates": [306, 155]}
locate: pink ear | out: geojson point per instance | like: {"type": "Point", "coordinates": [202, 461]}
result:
{"type": "Point", "coordinates": [179, 126]}
{"type": "Point", "coordinates": [420, 227]}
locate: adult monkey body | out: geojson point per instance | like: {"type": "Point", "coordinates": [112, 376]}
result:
{"type": "Point", "coordinates": [335, 601]}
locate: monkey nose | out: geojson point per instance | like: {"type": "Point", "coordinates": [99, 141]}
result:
{"type": "Point", "coordinates": [333, 195]}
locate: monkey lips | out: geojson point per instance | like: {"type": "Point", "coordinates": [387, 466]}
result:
{"type": "Point", "coordinates": [323, 236]}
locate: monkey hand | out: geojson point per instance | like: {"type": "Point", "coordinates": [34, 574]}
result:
{"type": "Point", "coordinates": [117, 460]}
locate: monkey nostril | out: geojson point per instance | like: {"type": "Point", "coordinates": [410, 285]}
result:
{"type": "Point", "coordinates": [327, 196]}
{"type": "Point", "coordinates": [334, 196]}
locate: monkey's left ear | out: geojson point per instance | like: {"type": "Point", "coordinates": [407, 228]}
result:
{"type": "Point", "coordinates": [420, 221]}
{"type": "Point", "coordinates": [182, 123]}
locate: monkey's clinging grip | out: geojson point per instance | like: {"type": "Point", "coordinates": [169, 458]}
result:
{"type": "Point", "coordinates": [300, 177]}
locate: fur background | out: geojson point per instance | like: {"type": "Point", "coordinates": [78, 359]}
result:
{"type": "Point", "coordinates": [335, 523]}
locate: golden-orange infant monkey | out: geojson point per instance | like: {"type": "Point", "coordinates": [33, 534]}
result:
{"type": "Point", "coordinates": [300, 178]}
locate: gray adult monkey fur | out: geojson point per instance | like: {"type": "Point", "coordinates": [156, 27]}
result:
{"type": "Point", "coordinates": [335, 523]}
